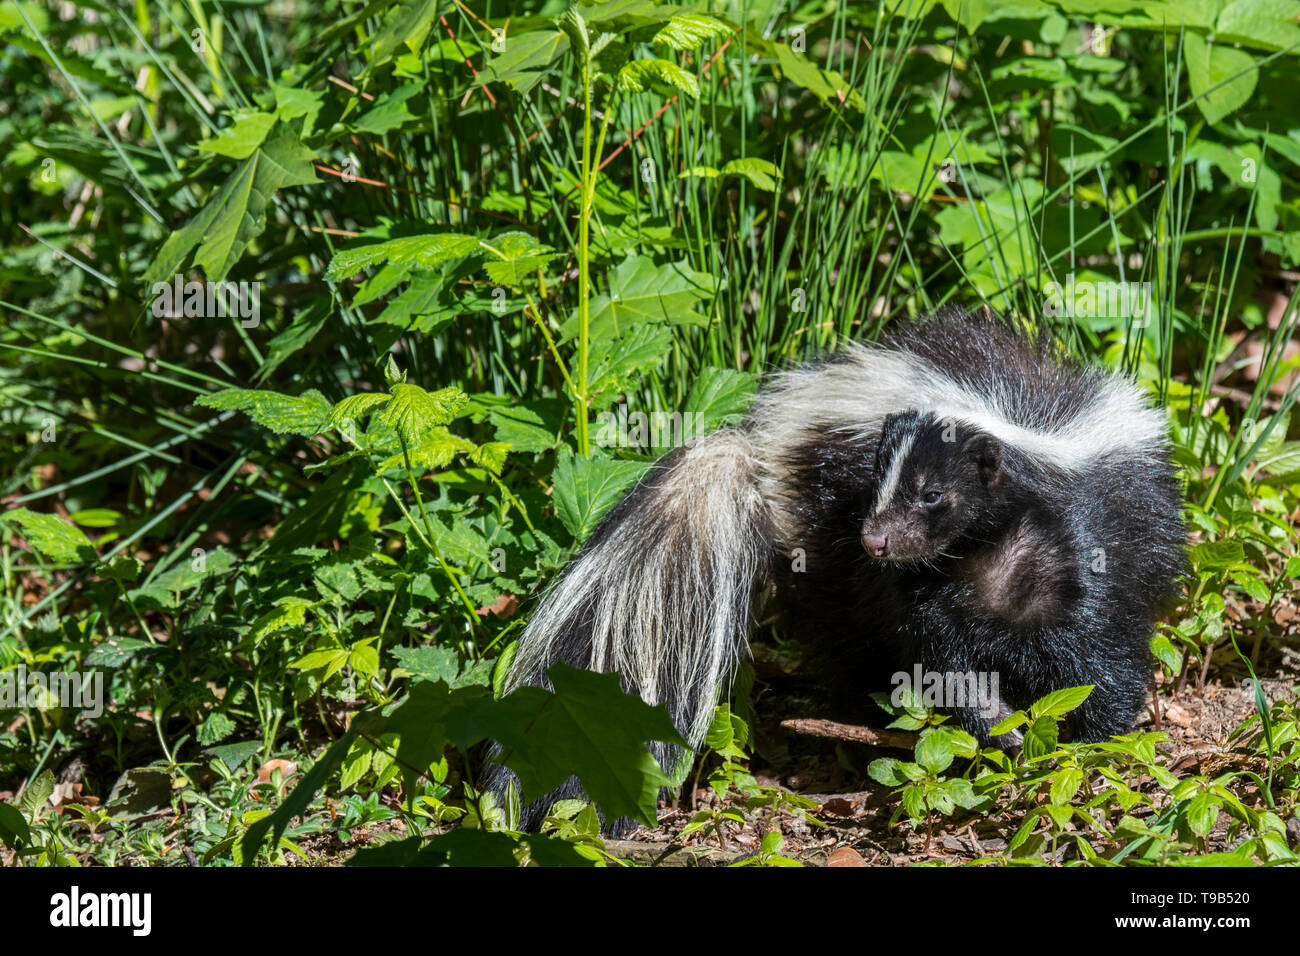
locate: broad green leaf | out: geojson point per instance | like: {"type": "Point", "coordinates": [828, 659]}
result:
{"type": "Point", "coordinates": [1263, 24]}
{"type": "Point", "coordinates": [687, 31]}
{"type": "Point", "coordinates": [643, 291]}
{"type": "Point", "coordinates": [518, 254]}
{"type": "Point", "coordinates": [585, 488]}
{"type": "Point", "coordinates": [525, 60]}
{"type": "Point", "coordinates": [1208, 66]}
{"type": "Point", "coordinates": [424, 250]}
{"type": "Point", "coordinates": [406, 24]}
{"type": "Point", "coordinates": [639, 74]}
{"type": "Point", "coordinates": [720, 396]}
{"type": "Point", "coordinates": [288, 612]}
{"type": "Point", "coordinates": [241, 138]}
{"type": "Point", "coordinates": [51, 536]}
{"type": "Point", "coordinates": [413, 411]}
{"type": "Point", "coordinates": [435, 450]}
{"type": "Point", "coordinates": [356, 407]}
{"type": "Point", "coordinates": [760, 172]}
{"type": "Point", "coordinates": [586, 727]}
{"type": "Point", "coordinates": [1060, 702]}
{"type": "Point", "coordinates": [304, 414]}
{"type": "Point", "coordinates": [236, 213]}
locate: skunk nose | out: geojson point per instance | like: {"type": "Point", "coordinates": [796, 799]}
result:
{"type": "Point", "coordinates": [877, 544]}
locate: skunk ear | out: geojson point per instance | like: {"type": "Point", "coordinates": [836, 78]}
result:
{"type": "Point", "coordinates": [985, 452]}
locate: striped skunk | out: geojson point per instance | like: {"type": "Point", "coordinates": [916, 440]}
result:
{"type": "Point", "coordinates": [961, 498]}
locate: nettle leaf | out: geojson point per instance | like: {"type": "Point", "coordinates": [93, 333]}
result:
{"type": "Point", "coordinates": [435, 450]}
{"type": "Point", "coordinates": [586, 727]}
{"type": "Point", "coordinates": [354, 408]}
{"type": "Point", "coordinates": [720, 396]}
{"type": "Point", "coordinates": [643, 291]}
{"type": "Point", "coordinates": [306, 414]}
{"type": "Point", "coordinates": [639, 74]}
{"type": "Point", "coordinates": [236, 214]}
{"type": "Point", "coordinates": [241, 139]}
{"type": "Point", "coordinates": [433, 663]}
{"type": "Point", "coordinates": [288, 612]}
{"type": "Point", "coordinates": [520, 256]}
{"type": "Point", "coordinates": [51, 536]}
{"type": "Point", "coordinates": [424, 250]}
{"type": "Point", "coordinates": [413, 411]}
{"type": "Point", "coordinates": [1217, 555]}
{"type": "Point", "coordinates": [617, 363]}
{"type": "Point", "coordinates": [687, 31]}
{"type": "Point", "coordinates": [1208, 66]}
{"type": "Point", "coordinates": [586, 487]}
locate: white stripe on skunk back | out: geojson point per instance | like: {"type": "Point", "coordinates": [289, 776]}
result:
{"type": "Point", "coordinates": [664, 592]}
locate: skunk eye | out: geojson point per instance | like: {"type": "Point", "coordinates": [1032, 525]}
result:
{"type": "Point", "coordinates": [931, 498]}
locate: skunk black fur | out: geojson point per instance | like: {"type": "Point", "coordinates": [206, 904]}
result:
{"type": "Point", "coordinates": [961, 496]}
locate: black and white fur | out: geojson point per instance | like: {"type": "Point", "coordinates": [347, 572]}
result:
{"type": "Point", "coordinates": [1053, 544]}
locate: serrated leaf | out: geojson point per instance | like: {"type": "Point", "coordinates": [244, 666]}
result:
{"type": "Point", "coordinates": [688, 31]}
{"type": "Point", "coordinates": [355, 408]}
{"type": "Point", "coordinates": [720, 396]}
{"type": "Point", "coordinates": [435, 450]}
{"type": "Point", "coordinates": [585, 488]}
{"type": "Point", "coordinates": [425, 251]}
{"type": "Point", "coordinates": [51, 536]}
{"type": "Point", "coordinates": [407, 25]}
{"type": "Point", "coordinates": [413, 412]}
{"type": "Point", "coordinates": [236, 213]}
{"type": "Point", "coordinates": [288, 612]}
{"type": "Point", "coordinates": [586, 727]}
{"type": "Point", "coordinates": [637, 76]}
{"type": "Point", "coordinates": [642, 291]}
{"type": "Point", "coordinates": [304, 414]}
{"type": "Point", "coordinates": [519, 255]}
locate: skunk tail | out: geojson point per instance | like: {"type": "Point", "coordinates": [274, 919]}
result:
{"type": "Point", "coordinates": [662, 593]}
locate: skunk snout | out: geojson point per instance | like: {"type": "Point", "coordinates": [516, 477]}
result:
{"type": "Point", "coordinates": [877, 545]}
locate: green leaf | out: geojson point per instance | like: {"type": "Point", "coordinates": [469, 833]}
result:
{"type": "Point", "coordinates": [424, 250]}
{"type": "Point", "coordinates": [305, 414]}
{"type": "Point", "coordinates": [36, 796]}
{"type": "Point", "coordinates": [720, 396]}
{"type": "Point", "coordinates": [575, 28]}
{"type": "Point", "coordinates": [405, 25]}
{"type": "Point", "coordinates": [236, 214]}
{"type": "Point", "coordinates": [288, 612]}
{"type": "Point", "coordinates": [13, 828]}
{"type": "Point", "coordinates": [51, 536]}
{"type": "Point", "coordinates": [390, 111]}
{"type": "Point", "coordinates": [829, 87]}
{"type": "Point", "coordinates": [687, 31]}
{"type": "Point", "coordinates": [432, 663]}
{"type": "Point", "coordinates": [1203, 813]}
{"type": "Point", "coordinates": [1041, 738]}
{"type": "Point", "coordinates": [1066, 785]}
{"type": "Point", "coordinates": [525, 60]}
{"type": "Point", "coordinates": [1264, 24]}
{"type": "Point", "coordinates": [354, 408]}
{"type": "Point", "coordinates": [586, 487]}
{"type": "Point", "coordinates": [586, 727]}
{"type": "Point", "coordinates": [413, 411]}
{"type": "Point", "coordinates": [637, 76]}
{"type": "Point", "coordinates": [885, 770]}
{"type": "Point", "coordinates": [643, 291]}
{"type": "Point", "coordinates": [520, 255]}
{"type": "Point", "coordinates": [1217, 555]}
{"type": "Point", "coordinates": [217, 726]}
{"type": "Point", "coordinates": [1208, 66]}
{"type": "Point", "coordinates": [435, 450]}
{"type": "Point", "coordinates": [934, 752]}
{"type": "Point", "coordinates": [760, 172]}
{"type": "Point", "coordinates": [1060, 702]}
{"type": "Point", "coordinates": [242, 138]}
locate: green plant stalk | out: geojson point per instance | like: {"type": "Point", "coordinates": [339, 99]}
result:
{"type": "Point", "coordinates": [584, 263]}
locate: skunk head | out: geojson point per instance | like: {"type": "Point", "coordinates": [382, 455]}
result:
{"type": "Point", "coordinates": [935, 481]}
